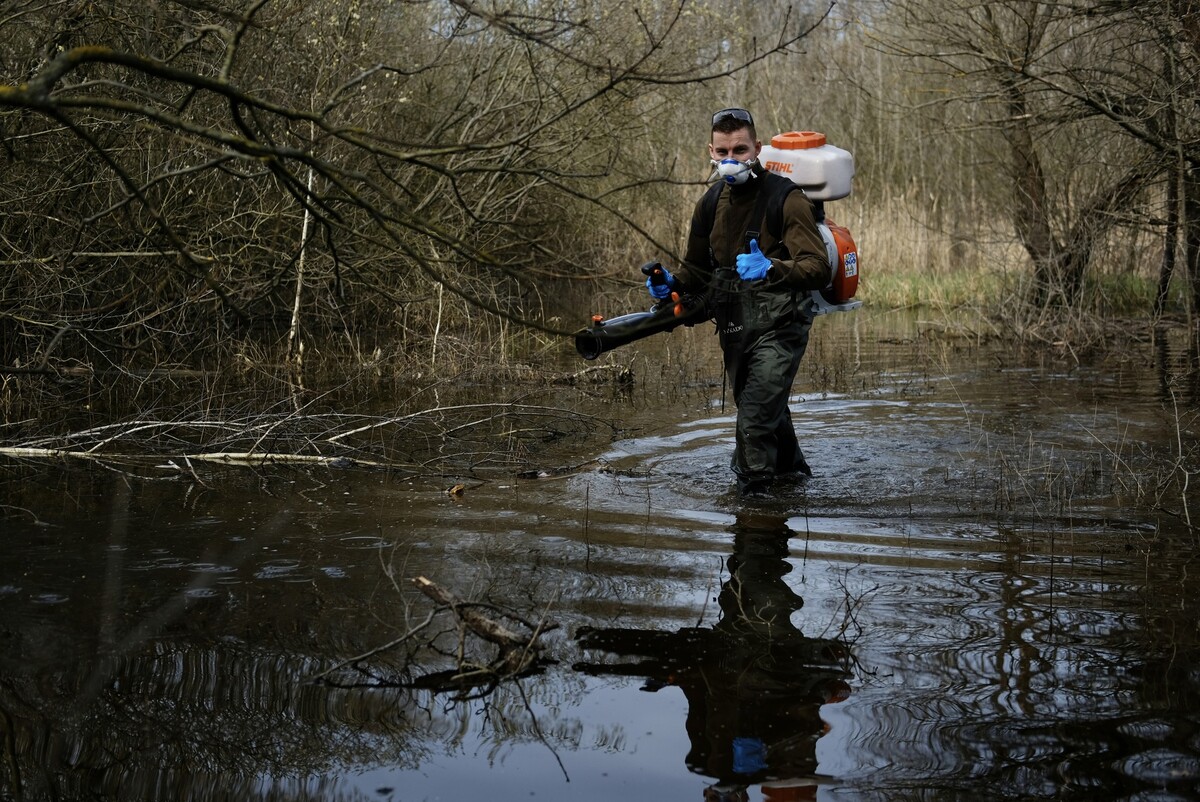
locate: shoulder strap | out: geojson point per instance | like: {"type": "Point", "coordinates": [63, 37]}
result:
{"type": "Point", "coordinates": [779, 192]}
{"type": "Point", "coordinates": [765, 195]}
{"type": "Point", "coordinates": [708, 207]}
{"type": "Point", "coordinates": [708, 215]}
{"type": "Point", "coordinates": [769, 208]}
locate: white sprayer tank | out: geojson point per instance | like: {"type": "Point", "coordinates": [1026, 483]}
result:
{"type": "Point", "coordinates": [822, 170]}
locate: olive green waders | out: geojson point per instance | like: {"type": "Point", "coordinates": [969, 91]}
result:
{"type": "Point", "coordinates": [763, 333]}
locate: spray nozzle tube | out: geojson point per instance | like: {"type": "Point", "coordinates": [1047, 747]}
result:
{"type": "Point", "coordinates": [605, 335]}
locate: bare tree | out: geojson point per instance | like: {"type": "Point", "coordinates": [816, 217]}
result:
{"type": "Point", "coordinates": [181, 172]}
{"type": "Point", "coordinates": [1081, 96]}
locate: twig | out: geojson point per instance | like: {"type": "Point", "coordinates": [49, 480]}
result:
{"type": "Point", "coordinates": [538, 731]}
{"type": "Point", "coordinates": [372, 652]}
{"type": "Point", "coordinates": [434, 410]}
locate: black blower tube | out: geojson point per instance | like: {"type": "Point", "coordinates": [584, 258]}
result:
{"type": "Point", "coordinates": [605, 335]}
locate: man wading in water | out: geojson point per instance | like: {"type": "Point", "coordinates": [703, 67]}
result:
{"type": "Point", "coordinates": [754, 250]}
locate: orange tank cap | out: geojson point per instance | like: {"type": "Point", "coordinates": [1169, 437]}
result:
{"type": "Point", "coordinates": [798, 140]}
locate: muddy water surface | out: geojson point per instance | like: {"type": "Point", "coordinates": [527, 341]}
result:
{"type": "Point", "coordinates": [986, 592]}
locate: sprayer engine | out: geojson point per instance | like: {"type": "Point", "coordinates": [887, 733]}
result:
{"type": "Point", "coordinates": [843, 264]}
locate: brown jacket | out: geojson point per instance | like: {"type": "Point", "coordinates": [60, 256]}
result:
{"type": "Point", "coordinates": [806, 266]}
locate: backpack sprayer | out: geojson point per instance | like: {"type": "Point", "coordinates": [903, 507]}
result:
{"type": "Point", "coordinates": [824, 172]}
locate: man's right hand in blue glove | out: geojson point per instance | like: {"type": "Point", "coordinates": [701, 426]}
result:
{"type": "Point", "coordinates": [660, 286]}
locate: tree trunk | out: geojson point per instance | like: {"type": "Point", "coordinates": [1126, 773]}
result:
{"type": "Point", "coordinates": [1191, 231]}
{"type": "Point", "coordinates": [1169, 243]}
{"type": "Point", "coordinates": [1030, 202]}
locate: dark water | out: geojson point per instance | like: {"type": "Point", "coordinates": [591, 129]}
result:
{"type": "Point", "coordinates": [987, 591]}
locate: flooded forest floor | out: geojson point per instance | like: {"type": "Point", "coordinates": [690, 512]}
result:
{"type": "Point", "coordinates": [985, 589]}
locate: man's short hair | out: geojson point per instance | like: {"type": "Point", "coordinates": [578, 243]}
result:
{"type": "Point", "coordinates": [726, 121]}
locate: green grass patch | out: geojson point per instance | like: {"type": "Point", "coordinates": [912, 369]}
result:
{"type": "Point", "coordinates": [1128, 294]}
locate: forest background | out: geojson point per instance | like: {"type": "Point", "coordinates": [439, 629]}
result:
{"type": "Point", "coordinates": [371, 185]}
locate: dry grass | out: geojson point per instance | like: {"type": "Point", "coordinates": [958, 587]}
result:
{"type": "Point", "coordinates": [911, 260]}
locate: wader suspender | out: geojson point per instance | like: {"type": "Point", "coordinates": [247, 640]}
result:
{"type": "Point", "coordinates": [760, 208]}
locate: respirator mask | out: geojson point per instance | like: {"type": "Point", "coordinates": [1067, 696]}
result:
{"type": "Point", "coordinates": [733, 171]}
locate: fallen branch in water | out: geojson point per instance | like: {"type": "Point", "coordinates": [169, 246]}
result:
{"type": "Point", "coordinates": [263, 458]}
{"type": "Point", "coordinates": [249, 458]}
{"type": "Point", "coordinates": [484, 436]}
{"type": "Point", "coordinates": [53, 453]}
{"type": "Point", "coordinates": [517, 652]}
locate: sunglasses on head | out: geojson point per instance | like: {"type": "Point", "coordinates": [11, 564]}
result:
{"type": "Point", "coordinates": [737, 114]}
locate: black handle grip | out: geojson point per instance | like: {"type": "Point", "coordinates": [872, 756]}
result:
{"type": "Point", "coordinates": [655, 271]}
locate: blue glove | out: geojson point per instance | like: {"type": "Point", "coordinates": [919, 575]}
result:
{"type": "Point", "coordinates": [753, 266]}
{"type": "Point", "coordinates": [660, 290]}
{"type": "Point", "coordinates": [749, 755]}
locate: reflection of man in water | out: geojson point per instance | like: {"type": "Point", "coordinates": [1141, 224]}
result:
{"type": "Point", "coordinates": [754, 683]}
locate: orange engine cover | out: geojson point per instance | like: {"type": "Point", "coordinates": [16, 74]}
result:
{"type": "Point", "coordinates": [845, 272]}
